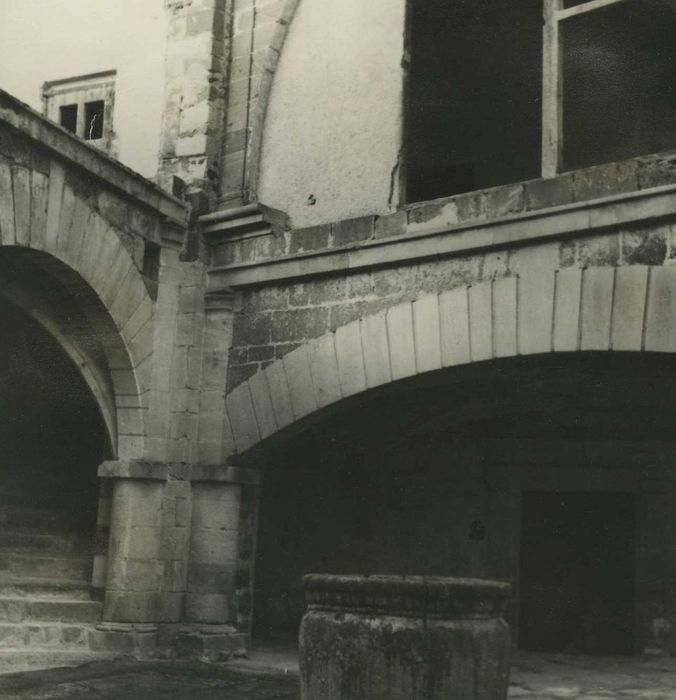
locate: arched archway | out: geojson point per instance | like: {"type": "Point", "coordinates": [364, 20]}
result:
{"type": "Point", "coordinates": [69, 400]}
{"type": "Point", "coordinates": [53, 434]}
{"type": "Point", "coordinates": [412, 441]}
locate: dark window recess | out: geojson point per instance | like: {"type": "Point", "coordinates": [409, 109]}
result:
{"type": "Point", "coordinates": [151, 261]}
{"type": "Point", "coordinates": [93, 120]}
{"type": "Point", "coordinates": [619, 83]}
{"type": "Point", "coordinates": [474, 95]}
{"type": "Point", "coordinates": [68, 117]}
{"type": "Point", "coordinates": [574, 3]}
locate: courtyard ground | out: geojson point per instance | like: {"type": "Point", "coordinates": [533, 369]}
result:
{"type": "Point", "coordinates": [271, 676]}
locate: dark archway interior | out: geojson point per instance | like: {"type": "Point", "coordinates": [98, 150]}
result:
{"type": "Point", "coordinates": [576, 576]}
{"type": "Point", "coordinates": [52, 436]}
{"type": "Point", "coordinates": [428, 476]}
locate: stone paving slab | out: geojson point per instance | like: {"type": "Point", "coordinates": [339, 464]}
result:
{"type": "Point", "coordinates": [148, 681]}
{"type": "Point", "coordinates": [556, 677]}
{"type": "Point", "coordinates": [534, 677]}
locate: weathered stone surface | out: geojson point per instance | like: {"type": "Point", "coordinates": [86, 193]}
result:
{"type": "Point", "coordinates": [387, 637]}
{"type": "Point", "coordinates": [597, 300]}
{"type": "Point", "coordinates": [567, 310]}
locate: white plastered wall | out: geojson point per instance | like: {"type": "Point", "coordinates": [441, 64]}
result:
{"type": "Point", "coordinates": [333, 127]}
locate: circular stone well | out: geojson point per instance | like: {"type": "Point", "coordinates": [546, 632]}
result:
{"type": "Point", "coordinates": [396, 637]}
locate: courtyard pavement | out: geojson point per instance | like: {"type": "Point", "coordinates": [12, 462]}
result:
{"type": "Point", "coordinates": [269, 676]}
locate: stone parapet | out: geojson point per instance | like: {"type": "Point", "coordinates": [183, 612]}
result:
{"type": "Point", "coordinates": [125, 192]}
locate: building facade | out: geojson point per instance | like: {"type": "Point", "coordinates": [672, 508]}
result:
{"type": "Point", "coordinates": [391, 304]}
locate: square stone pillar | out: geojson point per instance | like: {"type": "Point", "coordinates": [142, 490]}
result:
{"type": "Point", "coordinates": [147, 558]}
{"type": "Point", "coordinates": [665, 629]}
{"type": "Point", "coordinates": [220, 536]}
{"type": "Point", "coordinates": [213, 552]}
{"type": "Point", "coordinates": [135, 569]}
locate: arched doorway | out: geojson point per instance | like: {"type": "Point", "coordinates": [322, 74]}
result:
{"type": "Point", "coordinates": [438, 475]}
{"type": "Point", "coordinates": [53, 438]}
{"type": "Point", "coordinates": [57, 424]}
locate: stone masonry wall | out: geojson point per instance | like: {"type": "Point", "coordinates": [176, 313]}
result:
{"type": "Point", "coordinates": [275, 319]}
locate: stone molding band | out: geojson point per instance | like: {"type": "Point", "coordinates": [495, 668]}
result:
{"type": "Point", "coordinates": [157, 471]}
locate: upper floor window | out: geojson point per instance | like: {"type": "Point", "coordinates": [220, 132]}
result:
{"type": "Point", "coordinates": [501, 91]}
{"type": "Point", "coordinates": [84, 106]}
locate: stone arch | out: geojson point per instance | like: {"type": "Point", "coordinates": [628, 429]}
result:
{"type": "Point", "coordinates": [51, 229]}
{"type": "Point", "coordinates": [68, 328]}
{"type": "Point", "coordinates": [260, 108]}
{"type": "Point", "coordinates": [629, 309]}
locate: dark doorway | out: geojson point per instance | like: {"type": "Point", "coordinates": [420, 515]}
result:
{"type": "Point", "coordinates": [577, 573]}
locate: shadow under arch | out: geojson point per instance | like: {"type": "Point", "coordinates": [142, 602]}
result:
{"type": "Point", "coordinates": [598, 309]}
{"type": "Point", "coordinates": [59, 300]}
{"type": "Point", "coordinates": [395, 480]}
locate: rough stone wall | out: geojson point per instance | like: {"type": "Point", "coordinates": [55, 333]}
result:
{"type": "Point", "coordinates": [275, 319]}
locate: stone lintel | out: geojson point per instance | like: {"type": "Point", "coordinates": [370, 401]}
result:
{"type": "Point", "coordinates": [162, 471]}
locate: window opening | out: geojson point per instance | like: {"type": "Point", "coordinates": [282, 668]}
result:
{"type": "Point", "coordinates": [68, 117]}
{"type": "Point", "coordinates": [94, 120]}
{"type": "Point", "coordinates": [474, 95]}
{"type": "Point", "coordinates": [84, 105]}
{"type": "Point", "coordinates": [619, 83]}
{"type": "Point", "coordinates": [151, 261]}
{"type": "Point", "coordinates": [494, 97]}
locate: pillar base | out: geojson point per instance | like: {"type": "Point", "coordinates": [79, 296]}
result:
{"type": "Point", "coordinates": [203, 642]}
{"type": "Point", "coordinates": [137, 640]}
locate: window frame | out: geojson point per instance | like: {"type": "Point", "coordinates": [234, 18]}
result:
{"type": "Point", "coordinates": [552, 78]}
{"type": "Point", "coordinates": [79, 91]}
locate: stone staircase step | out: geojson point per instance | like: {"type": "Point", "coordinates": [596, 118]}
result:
{"type": "Point", "coordinates": [44, 635]}
{"type": "Point", "coordinates": [45, 565]}
{"type": "Point", "coordinates": [19, 660]}
{"type": "Point", "coordinates": [45, 520]}
{"type": "Point", "coordinates": [32, 539]}
{"type": "Point", "coordinates": [17, 609]}
{"type": "Point", "coordinates": [41, 587]}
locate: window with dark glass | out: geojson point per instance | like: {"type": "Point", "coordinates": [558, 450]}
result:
{"type": "Point", "coordinates": [84, 105]}
{"type": "Point", "coordinates": [68, 117]}
{"type": "Point", "coordinates": [93, 120]}
{"type": "Point", "coordinates": [501, 92]}
{"type": "Point", "coordinates": [619, 82]}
